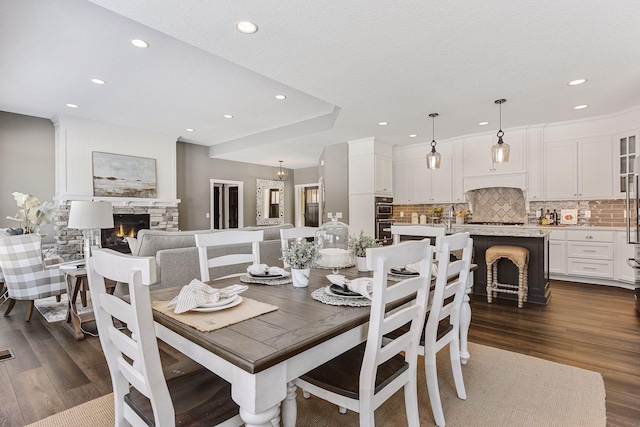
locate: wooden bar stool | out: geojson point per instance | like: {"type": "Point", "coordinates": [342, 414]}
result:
{"type": "Point", "coordinates": [520, 257]}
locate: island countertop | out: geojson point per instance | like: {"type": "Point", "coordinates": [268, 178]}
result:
{"type": "Point", "coordinates": [494, 230]}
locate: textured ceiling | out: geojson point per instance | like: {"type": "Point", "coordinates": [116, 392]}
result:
{"type": "Point", "coordinates": [344, 66]}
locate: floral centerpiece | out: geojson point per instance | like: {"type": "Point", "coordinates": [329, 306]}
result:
{"type": "Point", "coordinates": [301, 255]}
{"type": "Point", "coordinates": [359, 246]}
{"type": "Point", "coordinates": [33, 213]}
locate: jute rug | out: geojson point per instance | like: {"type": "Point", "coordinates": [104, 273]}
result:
{"type": "Point", "coordinates": [504, 389]}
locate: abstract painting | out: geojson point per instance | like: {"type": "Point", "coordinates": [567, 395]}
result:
{"type": "Point", "coordinates": [117, 175]}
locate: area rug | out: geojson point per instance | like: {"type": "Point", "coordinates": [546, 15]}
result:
{"type": "Point", "coordinates": [54, 311]}
{"type": "Point", "coordinates": [504, 389]}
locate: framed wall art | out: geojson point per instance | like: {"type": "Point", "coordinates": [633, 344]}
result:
{"type": "Point", "coordinates": [117, 175]}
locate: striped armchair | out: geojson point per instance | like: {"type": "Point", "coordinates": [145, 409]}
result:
{"type": "Point", "coordinates": [25, 274]}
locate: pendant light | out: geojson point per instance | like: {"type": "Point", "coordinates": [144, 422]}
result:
{"type": "Point", "coordinates": [500, 151]}
{"type": "Point", "coordinates": [280, 174]}
{"type": "Point", "coordinates": [433, 158]}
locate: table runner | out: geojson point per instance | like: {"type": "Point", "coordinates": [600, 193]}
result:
{"type": "Point", "coordinates": [207, 322]}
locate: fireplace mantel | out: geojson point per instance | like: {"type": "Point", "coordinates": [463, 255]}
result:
{"type": "Point", "coordinates": [65, 200]}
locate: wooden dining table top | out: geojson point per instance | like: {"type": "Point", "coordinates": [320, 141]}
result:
{"type": "Point", "coordinates": [258, 343]}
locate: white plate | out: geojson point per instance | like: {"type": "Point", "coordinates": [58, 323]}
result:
{"type": "Point", "coordinates": [328, 292]}
{"type": "Point", "coordinates": [220, 302]}
{"type": "Point", "coordinates": [234, 301]}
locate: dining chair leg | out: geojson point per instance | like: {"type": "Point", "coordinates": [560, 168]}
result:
{"type": "Point", "coordinates": [342, 409]}
{"type": "Point", "coordinates": [411, 401]}
{"type": "Point", "coordinates": [456, 367]}
{"type": "Point", "coordinates": [12, 302]}
{"type": "Point", "coordinates": [30, 310]}
{"type": "Point", "coordinates": [434, 391]}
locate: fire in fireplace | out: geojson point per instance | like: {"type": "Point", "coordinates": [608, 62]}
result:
{"type": "Point", "coordinates": [125, 225]}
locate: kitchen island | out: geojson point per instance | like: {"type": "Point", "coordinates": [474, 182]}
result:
{"type": "Point", "coordinates": [535, 240]}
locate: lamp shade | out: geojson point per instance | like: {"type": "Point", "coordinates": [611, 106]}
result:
{"type": "Point", "coordinates": [86, 215]}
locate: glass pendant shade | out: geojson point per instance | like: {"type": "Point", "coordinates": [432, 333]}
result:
{"type": "Point", "coordinates": [500, 152]}
{"type": "Point", "coordinates": [433, 159]}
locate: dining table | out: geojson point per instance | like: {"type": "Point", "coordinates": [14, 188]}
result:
{"type": "Point", "coordinates": [261, 356]}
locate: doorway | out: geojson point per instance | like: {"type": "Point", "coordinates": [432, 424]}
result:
{"type": "Point", "coordinates": [308, 205]}
{"type": "Point", "coordinates": [226, 204]}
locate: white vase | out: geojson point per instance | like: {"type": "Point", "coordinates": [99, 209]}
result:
{"type": "Point", "coordinates": [300, 277]}
{"type": "Point", "coordinates": [460, 220]}
{"type": "Point", "coordinates": [361, 262]}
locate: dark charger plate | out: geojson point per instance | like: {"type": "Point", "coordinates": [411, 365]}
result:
{"type": "Point", "coordinates": [339, 290]}
{"type": "Point", "coordinates": [267, 276]}
{"type": "Point", "coordinates": [403, 272]}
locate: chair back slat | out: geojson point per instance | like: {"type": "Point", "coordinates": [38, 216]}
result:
{"type": "Point", "coordinates": [412, 291]}
{"type": "Point", "coordinates": [144, 371]}
{"type": "Point", "coordinates": [415, 230]}
{"type": "Point", "coordinates": [230, 237]}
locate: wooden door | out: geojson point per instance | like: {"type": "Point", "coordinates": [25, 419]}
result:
{"type": "Point", "coordinates": [311, 207]}
{"type": "Point", "coordinates": [233, 207]}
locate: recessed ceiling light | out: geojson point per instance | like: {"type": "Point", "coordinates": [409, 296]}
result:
{"type": "Point", "coordinates": [72, 106]}
{"type": "Point", "coordinates": [580, 107]}
{"type": "Point", "coordinates": [228, 116]}
{"type": "Point", "coordinates": [99, 82]}
{"type": "Point", "coordinates": [190, 130]}
{"type": "Point", "coordinates": [483, 123]}
{"type": "Point", "coordinates": [413, 135]}
{"type": "Point", "coordinates": [280, 97]}
{"type": "Point", "coordinates": [246, 27]}
{"type": "Point", "coordinates": [140, 43]}
{"type": "Point", "coordinates": [577, 82]}
{"type": "Point", "coordinates": [383, 123]}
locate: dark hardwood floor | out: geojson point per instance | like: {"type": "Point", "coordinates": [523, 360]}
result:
{"type": "Point", "coordinates": [588, 326]}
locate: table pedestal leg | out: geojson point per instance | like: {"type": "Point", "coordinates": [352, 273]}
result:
{"type": "Point", "coordinates": [73, 322]}
{"type": "Point", "coordinates": [465, 321]}
{"type": "Point", "coordinates": [289, 407]}
{"type": "Point", "coordinates": [261, 419]}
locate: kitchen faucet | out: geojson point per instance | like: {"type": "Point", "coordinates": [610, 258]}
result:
{"type": "Point", "coordinates": [448, 219]}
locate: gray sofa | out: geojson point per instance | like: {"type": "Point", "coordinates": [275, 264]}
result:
{"type": "Point", "coordinates": [177, 256]}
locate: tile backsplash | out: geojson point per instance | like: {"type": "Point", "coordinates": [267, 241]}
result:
{"type": "Point", "coordinates": [604, 213]}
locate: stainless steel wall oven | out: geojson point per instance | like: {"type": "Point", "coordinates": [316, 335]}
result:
{"type": "Point", "coordinates": [384, 219]}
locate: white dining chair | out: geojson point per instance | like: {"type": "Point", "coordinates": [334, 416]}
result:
{"type": "Point", "coordinates": [222, 240]}
{"type": "Point", "coordinates": [287, 234]}
{"type": "Point", "coordinates": [364, 377]}
{"type": "Point", "coordinates": [184, 394]}
{"type": "Point", "coordinates": [445, 306]}
{"type": "Point", "coordinates": [415, 230]}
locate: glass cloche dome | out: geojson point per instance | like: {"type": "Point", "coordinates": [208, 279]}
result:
{"type": "Point", "coordinates": [332, 240]}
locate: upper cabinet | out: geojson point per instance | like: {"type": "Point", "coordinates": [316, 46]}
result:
{"type": "Point", "coordinates": [413, 182]}
{"type": "Point", "coordinates": [625, 155]}
{"type": "Point", "coordinates": [383, 175]}
{"type": "Point", "coordinates": [477, 154]}
{"type": "Point", "coordinates": [579, 169]}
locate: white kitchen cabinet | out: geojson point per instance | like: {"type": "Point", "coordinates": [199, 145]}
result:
{"type": "Point", "coordinates": [477, 155]}
{"type": "Point", "coordinates": [590, 253]}
{"type": "Point", "coordinates": [383, 175]}
{"type": "Point", "coordinates": [622, 252]}
{"type": "Point", "coordinates": [627, 149]}
{"type": "Point", "coordinates": [414, 183]}
{"type": "Point", "coordinates": [579, 169]}
{"type": "Point", "coordinates": [534, 164]}
{"type": "Point", "coordinates": [557, 252]}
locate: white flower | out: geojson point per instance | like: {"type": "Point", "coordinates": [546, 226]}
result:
{"type": "Point", "coordinates": [32, 211]}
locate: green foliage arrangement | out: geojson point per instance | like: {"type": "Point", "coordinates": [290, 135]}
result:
{"type": "Point", "coordinates": [360, 244]}
{"type": "Point", "coordinates": [301, 254]}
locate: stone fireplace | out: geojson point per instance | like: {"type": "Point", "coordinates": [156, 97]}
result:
{"type": "Point", "coordinates": [69, 241]}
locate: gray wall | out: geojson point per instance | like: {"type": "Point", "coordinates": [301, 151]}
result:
{"type": "Point", "coordinates": [27, 165]}
{"type": "Point", "coordinates": [195, 169]}
{"type": "Point", "coordinates": [306, 175]}
{"type": "Point", "coordinates": [336, 179]}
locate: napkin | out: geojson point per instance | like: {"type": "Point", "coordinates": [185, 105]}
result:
{"type": "Point", "coordinates": [415, 268]}
{"type": "Point", "coordinates": [265, 269]}
{"type": "Point", "coordinates": [361, 285]}
{"type": "Point", "coordinates": [198, 293]}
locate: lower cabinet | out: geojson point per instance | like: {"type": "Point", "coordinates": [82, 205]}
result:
{"type": "Point", "coordinates": [623, 251]}
{"type": "Point", "coordinates": [557, 252]}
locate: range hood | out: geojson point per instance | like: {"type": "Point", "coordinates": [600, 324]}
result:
{"type": "Point", "coordinates": [512, 180]}
{"type": "Point", "coordinates": [499, 204]}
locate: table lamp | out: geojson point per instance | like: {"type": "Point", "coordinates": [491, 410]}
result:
{"type": "Point", "coordinates": [90, 217]}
